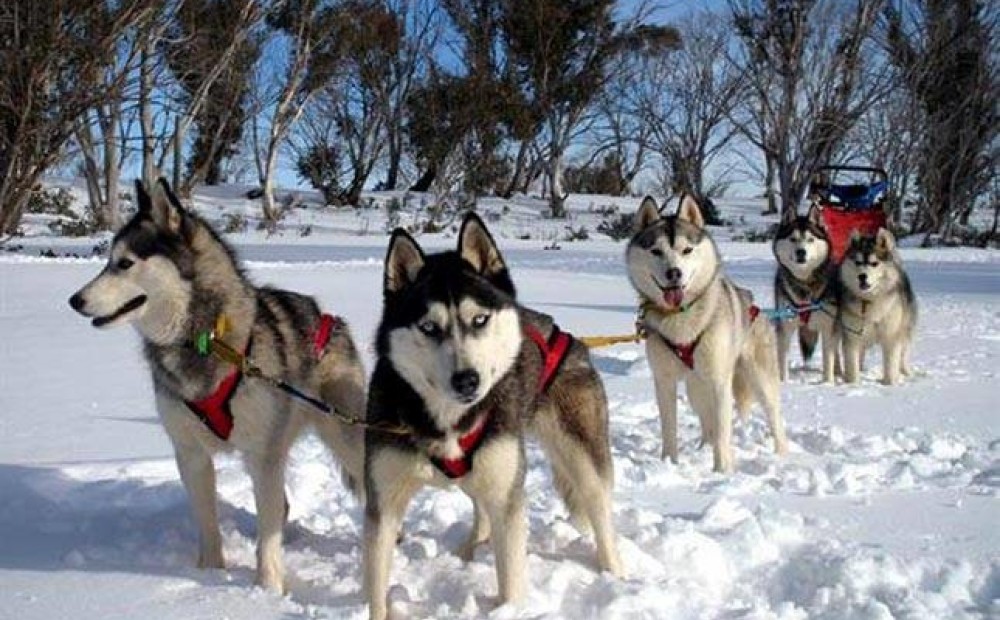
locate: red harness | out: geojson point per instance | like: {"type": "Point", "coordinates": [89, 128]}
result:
{"type": "Point", "coordinates": [685, 352]}
{"type": "Point", "coordinates": [553, 352]}
{"type": "Point", "coordinates": [214, 410]}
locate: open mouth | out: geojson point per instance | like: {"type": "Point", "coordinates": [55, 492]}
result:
{"type": "Point", "coordinates": [132, 305]}
{"type": "Point", "coordinates": [673, 295]}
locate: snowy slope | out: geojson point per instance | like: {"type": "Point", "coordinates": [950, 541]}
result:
{"type": "Point", "coordinates": [887, 506]}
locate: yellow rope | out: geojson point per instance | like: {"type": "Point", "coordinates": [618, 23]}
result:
{"type": "Point", "coordinates": [593, 342]}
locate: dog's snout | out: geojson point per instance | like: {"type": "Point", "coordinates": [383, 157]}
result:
{"type": "Point", "coordinates": [76, 302]}
{"type": "Point", "coordinates": [863, 278]}
{"type": "Point", "coordinates": [673, 274]}
{"type": "Point", "coordinates": [800, 254]}
{"type": "Point", "coordinates": [465, 382]}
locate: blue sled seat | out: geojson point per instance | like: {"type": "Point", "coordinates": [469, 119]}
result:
{"type": "Point", "coordinates": [856, 196]}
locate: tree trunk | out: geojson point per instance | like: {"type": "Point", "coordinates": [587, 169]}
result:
{"type": "Point", "coordinates": [557, 195]}
{"type": "Point", "coordinates": [772, 200]}
{"type": "Point", "coordinates": [146, 114]}
{"type": "Point", "coordinates": [519, 163]}
{"type": "Point", "coordinates": [426, 179]}
{"type": "Point", "coordinates": [267, 185]}
{"type": "Point", "coordinates": [179, 129]}
{"type": "Point", "coordinates": [92, 174]}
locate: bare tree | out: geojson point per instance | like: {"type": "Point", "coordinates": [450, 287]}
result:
{"type": "Point", "coordinates": [309, 28]}
{"type": "Point", "coordinates": [686, 98]}
{"type": "Point", "coordinates": [810, 80]}
{"type": "Point", "coordinates": [56, 56]}
{"type": "Point", "coordinates": [947, 53]}
{"type": "Point", "coordinates": [563, 52]}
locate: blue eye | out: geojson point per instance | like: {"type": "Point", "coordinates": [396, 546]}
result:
{"type": "Point", "coordinates": [480, 320]}
{"type": "Point", "coordinates": [429, 328]}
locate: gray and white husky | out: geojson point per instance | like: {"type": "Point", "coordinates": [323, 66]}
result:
{"type": "Point", "coordinates": [469, 372]}
{"type": "Point", "coordinates": [172, 277]}
{"type": "Point", "coordinates": [702, 329]}
{"type": "Point", "coordinates": [805, 288]}
{"type": "Point", "coordinates": [877, 306]}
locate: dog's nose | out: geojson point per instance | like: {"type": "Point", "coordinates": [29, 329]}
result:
{"type": "Point", "coordinates": [863, 280]}
{"type": "Point", "coordinates": [465, 382]}
{"type": "Point", "coordinates": [800, 254]}
{"type": "Point", "coordinates": [673, 274]}
{"type": "Point", "coordinates": [76, 302]}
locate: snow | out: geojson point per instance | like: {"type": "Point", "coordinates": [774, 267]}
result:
{"type": "Point", "coordinates": [886, 507]}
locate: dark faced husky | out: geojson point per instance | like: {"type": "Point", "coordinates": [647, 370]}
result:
{"type": "Point", "coordinates": [805, 287]}
{"type": "Point", "coordinates": [701, 329]}
{"type": "Point", "coordinates": [171, 276]}
{"type": "Point", "coordinates": [877, 306]}
{"type": "Point", "coordinates": [469, 371]}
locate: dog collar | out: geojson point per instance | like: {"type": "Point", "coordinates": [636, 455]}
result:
{"type": "Point", "coordinates": [468, 444]}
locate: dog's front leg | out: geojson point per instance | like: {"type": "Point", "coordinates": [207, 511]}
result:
{"type": "Point", "coordinates": [853, 349]}
{"type": "Point", "coordinates": [831, 359]}
{"type": "Point", "coordinates": [389, 484]}
{"type": "Point", "coordinates": [268, 475]}
{"type": "Point", "coordinates": [665, 383]}
{"type": "Point", "coordinates": [480, 532]}
{"type": "Point", "coordinates": [722, 415]}
{"type": "Point", "coordinates": [892, 354]}
{"type": "Point", "coordinates": [198, 475]}
{"type": "Point", "coordinates": [497, 483]}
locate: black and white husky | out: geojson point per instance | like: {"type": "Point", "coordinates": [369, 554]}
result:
{"type": "Point", "coordinates": [806, 290]}
{"type": "Point", "coordinates": [469, 372]}
{"type": "Point", "coordinates": [877, 306]}
{"type": "Point", "coordinates": [172, 277]}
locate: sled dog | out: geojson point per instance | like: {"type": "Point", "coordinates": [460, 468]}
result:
{"type": "Point", "coordinates": [469, 371]}
{"type": "Point", "coordinates": [172, 277]}
{"type": "Point", "coordinates": [877, 306]}
{"type": "Point", "coordinates": [702, 329]}
{"type": "Point", "coordinates": [805, 288]}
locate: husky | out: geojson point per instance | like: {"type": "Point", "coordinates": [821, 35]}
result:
{"type": "Point", "coordinates": [805, 287]}
{"type": "Point", "coordinates": [172, 277]}
{"type": "Point", "coordinates": [469, 371]}
{"type": "Point", "coordinates": [701, 328]}
{"type": "Point", "coordinates": [877, 306]}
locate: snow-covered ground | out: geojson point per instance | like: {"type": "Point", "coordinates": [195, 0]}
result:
{"type": "Point", "coordinates": [887, 506]}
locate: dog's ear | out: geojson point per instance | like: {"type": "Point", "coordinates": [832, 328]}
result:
{"type": "Point", "coordinates": [690, 212]}
{"type": "Point", "coordinates": [476, 245]}
{"type": "Point", "coordinates": [403, 262]}
{"type": "Point", "coordinates": [142, 200]}
{"type": "Point", "coordinates": [646, 215]}
{"type": "Point", "coordinates": [885, 242]}
{"type": "Point", "coordinates": [164, 207]}
{"type": "Point", "coordinates": [816, 218]}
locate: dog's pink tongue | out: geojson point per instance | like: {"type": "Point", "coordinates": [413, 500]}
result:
{"type": "Point", "coordinates": [673, 297]}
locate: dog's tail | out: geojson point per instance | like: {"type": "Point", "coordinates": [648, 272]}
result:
{"type": "Point", "coordinates": [807, 342]}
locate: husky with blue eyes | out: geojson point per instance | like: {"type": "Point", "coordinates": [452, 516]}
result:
{"type": "Point", "coordinates": [877, 306]}
{"type": "Point", "coordinates": [468, 373]}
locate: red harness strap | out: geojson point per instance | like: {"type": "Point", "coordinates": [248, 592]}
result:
{"type": "Point", "coordinates": [685, 352]}
{"type": "Point", "coordinates": [214, 409]}
{"type": "Point", "coordinates": [468, 443]}
{"type": "Point", "coordinates": [327, 323]}
{"type": "Point", "coordinates": [553, 352]}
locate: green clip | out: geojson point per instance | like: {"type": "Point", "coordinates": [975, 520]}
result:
{"type": "Point", "coordinates": [202, 343]}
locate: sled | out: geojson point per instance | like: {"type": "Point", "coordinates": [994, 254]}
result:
{"type": "Point", "coordinates": [849, 207]}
